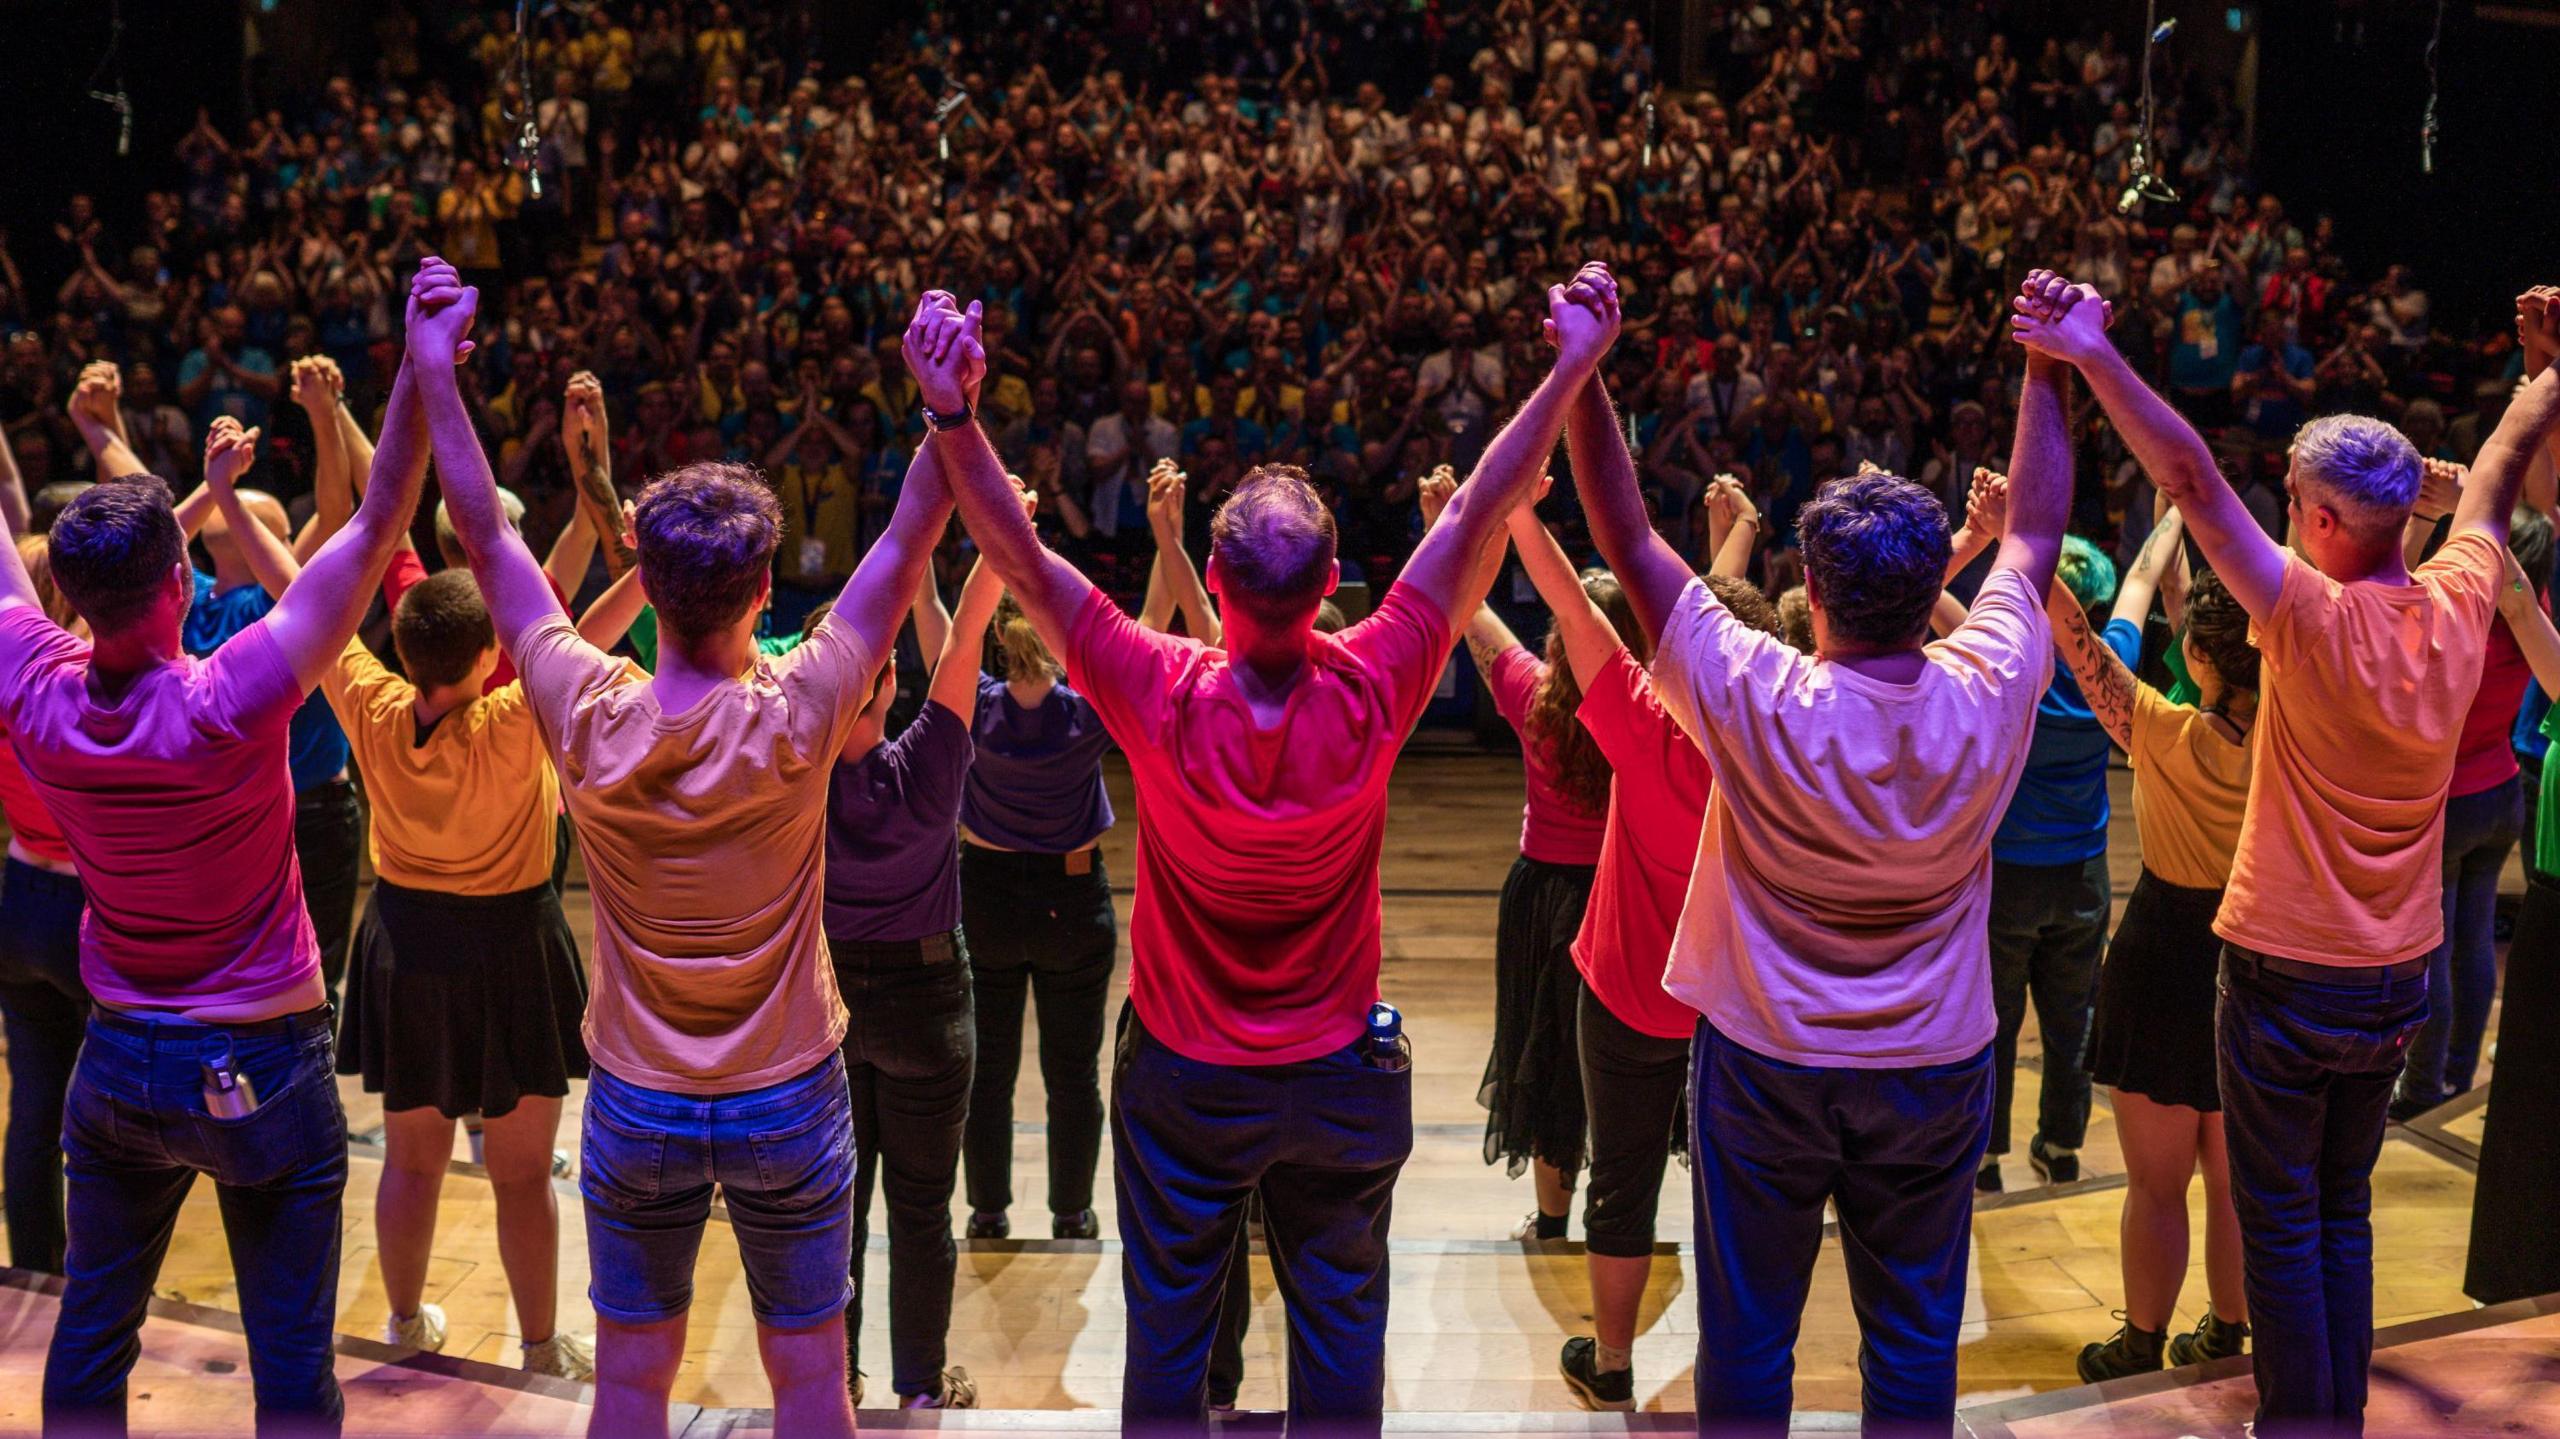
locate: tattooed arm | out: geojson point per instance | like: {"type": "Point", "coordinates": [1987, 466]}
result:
{"type": "Point", "coordinates": [2104, 681]}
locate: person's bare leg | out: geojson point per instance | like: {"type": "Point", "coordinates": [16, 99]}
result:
{"type": "Point", "coordinates": [635, 1372]}
{"type": "Point", "coordinates": [2222, 1261]}
{"type": "Point", "coordinates": [2159, 1158]}
{"type": "Point", "coordinates": [1617, 1292]}
{"type": "Point", "coordinates": [417, 1144]}
{"type": "Point", "coordinates": [518, 1149]}
{"type": "Point", "coordinates": [1555, 1188]}
{"type": "Point", "coordinates": [807, 1372]}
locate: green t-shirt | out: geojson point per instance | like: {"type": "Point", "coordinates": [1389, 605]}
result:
{"type": "Point", "coordinates": [644, 640]}
{"type": "Point", "coordinates": [2182, 686]}
{"type": "Point", "coordinates": [2546, 815]}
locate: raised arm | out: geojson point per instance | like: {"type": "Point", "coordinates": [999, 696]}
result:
{"type": "Point", "coordinates": [228, 451]}
{"type": "Point", "coordinates": [2498, 471]}
{"type": "Point", "coordinates": [1589, 639]}
{"type": "Point", "coordinates": [2522, 609]}
{"type": "Point", "coordinates": [1175, 581]}
{"type": "Point", "coordinates": [1582, 321]}
{"type": "Point", "coordinates": [14, 511]}
{"type": "Point", "coordinates": [2040, 457]}
{"type": "Point", "coordinates": [1730, 509]}
{"type": "Point", "coordinates": [2104, 681]}
{"type": "Point", "coordinates": [884, 584]}
{"type": "Point", "coordinates": [441, 309]}
{"type": "Point", "coordinates": [333, 495]}
{"type": "Point", "coordinates": [2169, 449]}
{"type": "Point", "coordinates": [947, 357]}
{"type": "Point", "coordinates": [2152, 565]}
{"type": "Point", "coordinates": [963, 649]}
{"type": "Point", "coordinates": [95, 410]}
{"type": "Point", "coordinates": [612, 614]}
{"type": "Point", "coordinates": [586, 435]}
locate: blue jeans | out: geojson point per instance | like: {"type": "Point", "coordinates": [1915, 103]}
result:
{"type": "Point", "coordinates": [44, 1009]}
{"type": "Point", "coordinates": [2462, 974]}
{"type": "Point", "coordinates": [2307, 1068]}
{"type": "Point", "coordinates": [1322, 1140]}
{"type": "Point", "coordinates": [782, 1158]}
{"type": "Point", "coordinates": [135, 1136]}
{"type": "Point", "coordinates": [1894, 1150]}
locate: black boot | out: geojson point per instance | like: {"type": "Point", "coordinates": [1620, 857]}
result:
{"type": "Point", "coordinates": [2131, 1351]}
{"type": "Point", "coordinates": [2210, 1339]}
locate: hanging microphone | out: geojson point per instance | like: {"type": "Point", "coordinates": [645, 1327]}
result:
{"type": "Point", "coordinates": [2167, 28]}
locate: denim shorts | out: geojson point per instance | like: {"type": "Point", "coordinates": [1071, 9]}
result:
{"type": "Point", "coordinates": [782, 1158]}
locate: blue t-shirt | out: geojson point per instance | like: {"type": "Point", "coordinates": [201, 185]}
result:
{"type": "Point", "coordinates": [2059, 814]}
{"type": "Point", "coordinates": [1036, 784]}
{"type": "Point", "coordinates": [318, 747]}
{"type": "Point", "coordinates": [893, 851]}
{"type": "Point", "coordinates": [2206, 353]}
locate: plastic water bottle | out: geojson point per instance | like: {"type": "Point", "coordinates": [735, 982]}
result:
{"type": "Point", "coordinates": [1388, 1049]}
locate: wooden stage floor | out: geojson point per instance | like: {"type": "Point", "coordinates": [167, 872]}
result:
{"type": "Point", "coordinates": [1476, 1317]}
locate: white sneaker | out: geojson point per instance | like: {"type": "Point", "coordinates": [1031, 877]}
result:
{"type": "Point", "coordinates": [422, 1330]}
{"type": "Point", "coordinates": [562, 1356]}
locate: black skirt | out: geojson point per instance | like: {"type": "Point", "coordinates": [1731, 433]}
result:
{"type": "Point", "coordinates": [2153, 1034]}
{"type": "Point", "coordinates": [2515, 1248]}
{"type": "Point", "coordinates": [463, 1003]}
{"type": "Point", "coordinates": [1532, 1090]}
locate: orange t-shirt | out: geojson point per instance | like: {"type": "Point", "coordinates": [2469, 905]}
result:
{"type": "Point", "coordinates": [704, 835]}
{"type": "Point", "coordinates": [2364, 692]}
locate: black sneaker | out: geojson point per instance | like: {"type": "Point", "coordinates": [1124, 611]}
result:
{"type": "Point", "coordinates": [1542, 1225]}
{"type": "Point", "coordinates": [1080, 1225]}
{"type": "Point", "coordinates": [2210, 1339]}
{"type": "Point", "coordinates": [2131, 1351]}
{"type": "Point", "coordinates": [1592, 1388]}
{"type": "Point", "coordinates": [1986, 1180]}
{"type": "Point", "coordinates": [989, 1224]}
{"type": "Point", "coordinates": [2055, 1166]}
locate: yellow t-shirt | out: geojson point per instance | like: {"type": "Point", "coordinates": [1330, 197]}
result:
{"type": "Point", "coordinates": [704, 835]}
{"type": "Point", "coordinates": [2364, 688]}
{"type": "Point", "coordinates": [821, 518]}
{"type": "Point", "coordinates": [468, 809]}
{"type": "Point", "coordinates": [2190, 789]}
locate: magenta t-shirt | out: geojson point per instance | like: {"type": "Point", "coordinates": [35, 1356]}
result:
{"type": "Point", "coordinates": [1553, 829]}
{"type": "Point", "coordinates": [178, 807]}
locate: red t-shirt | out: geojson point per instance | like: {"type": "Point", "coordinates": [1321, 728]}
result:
{"type": "Point", "coordinates": [1553, 829]}
{"type": "Point", "coordinates": [30, 823]}
{"type": "Point", "coordinates": [1255, 935]}
{"type": "Point", "coordinates": [2486, 755]}
{"type": "Point", "coordinates": [407, 569]}
{"type": "Point", "coordinates": [1657, 805]}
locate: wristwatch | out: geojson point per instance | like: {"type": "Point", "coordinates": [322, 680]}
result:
{"type": "Point", "coordinates": [935, 419]}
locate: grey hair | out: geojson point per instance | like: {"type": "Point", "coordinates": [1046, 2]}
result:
{"type": "Point", "coordinates": [2365, 462]}
{"type": "Point", "coordinates": [450, 541]}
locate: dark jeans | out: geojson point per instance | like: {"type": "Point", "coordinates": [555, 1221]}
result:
{"type": "Point", "coordinates": [1034, 928]}
{"type": "Point", "coordinates": [1323, 1140]}
{"type": "Point", "coordinates": [1894, 1151]}
{"type": "Point", "coordinates": [1632, 1085]}
{"type": "Point", "coordinates": [2462, 974]}
{"type": "Point", "coordinates": [328, 837]}
{"type": "Point", "coordinates": [2306, 1071]}
{"type": "Point", "coordinates": [1235, 1313]}
{"type": "Point", "coordinates": [135, 1136]}
{"type": "Point", "coordinates": [2048, 932]}
{"type": "Point", "coordinates": [43, 1009]}
{"type": "Point", "coordinates": [908, 1053]}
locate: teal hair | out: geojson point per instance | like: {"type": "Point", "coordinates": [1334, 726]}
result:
{"type": "Point", "coordinates": [2086, 571]}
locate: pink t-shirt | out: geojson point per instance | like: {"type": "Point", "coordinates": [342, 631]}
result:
{"type": "Point", "coordinates": [1837, 912]}
{"type": "Point", "coordinates": [1553, 829]}
{"type": "Point", "coordinates": [179, 811]}
{"type": "Point", "coordinates": [1255, 935]}
{"type": "Point", "coordinates": [29, 823]}
{"type": "Point", "coordinates": [1657, 802]}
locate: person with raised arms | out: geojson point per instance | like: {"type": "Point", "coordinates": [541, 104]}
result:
{"type": "Point", "coordinates": [1833, 941]}
{"type": "Point", "coordinates": [2368, 668]}
{"type": "Point", "coordinates": [1247, 1056]}
{"type": "Point", "coordinates": [699, 797]}
{"type": "Point", "coordinates": [208, 1049]}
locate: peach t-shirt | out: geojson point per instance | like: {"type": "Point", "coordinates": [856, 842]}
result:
{"type": "Point", "coordinates": [704, 835]}
{"type": "Point", "coordinates": [2363, 695]}
{"type": "Point", "coordinates": [1837, 912]}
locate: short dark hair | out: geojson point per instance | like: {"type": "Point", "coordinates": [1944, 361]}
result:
{"type": "Point", "coordinates": [1744, 602]}
{"type": "Point", "coordinates": [1875, 555]}
{"type": "Point", "coordinates": [2219, 629]}
{"type": "Point", "coordinates": [707, 533]}
{"type": "Point", "coordinates": [114, 545]}
{"type": "Point", "coordinates": [441, 629]}
{"type": "Point", "coordinates": [1273, 540]}
{"type": "Point", "coordinates": [2529, 537]}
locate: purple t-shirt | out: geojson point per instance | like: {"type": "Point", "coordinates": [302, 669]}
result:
{"type": "Point", "coordinates": [893, 859]}
{"type": "Point", "coordinates": [1036, 785]}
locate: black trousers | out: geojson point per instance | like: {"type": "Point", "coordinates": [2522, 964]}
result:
{"type": "Point", "coordinates": [1894, 1151]}
{"type": "Point", "coordinates": [908, 1054]}
{"type": "Point", "coordinates": [328, 841]}
{"type": "Point", "coordinates": [1037, 930]}
{"type": "Point", "coordinates": [44, 1009]}
{"type": "Point", "coordinates": [2048, 933]}
{"type": "Point", "coordinates": [1633, 1087]}
{"type": "Point", "coordinates": [2515, 1248]}
{"type": "Point", "coordinates": [2307, 1068]}
{"type": "Point", "coordinates": [1323, 1141]}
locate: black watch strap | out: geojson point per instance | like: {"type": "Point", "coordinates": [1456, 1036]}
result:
{"type": "Point", "coordinates": [937, 420]}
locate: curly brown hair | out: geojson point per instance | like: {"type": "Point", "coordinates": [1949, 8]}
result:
{"type": "Point", "coordinates": [1582, 771]}
{"type": "Point", "coordinates": [2218, 630]}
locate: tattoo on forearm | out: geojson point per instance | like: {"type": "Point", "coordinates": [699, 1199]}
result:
{"type": "Point", "coordinates": [595, 488]}
{"type": "Point", "coordinates": [2104, 681]}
